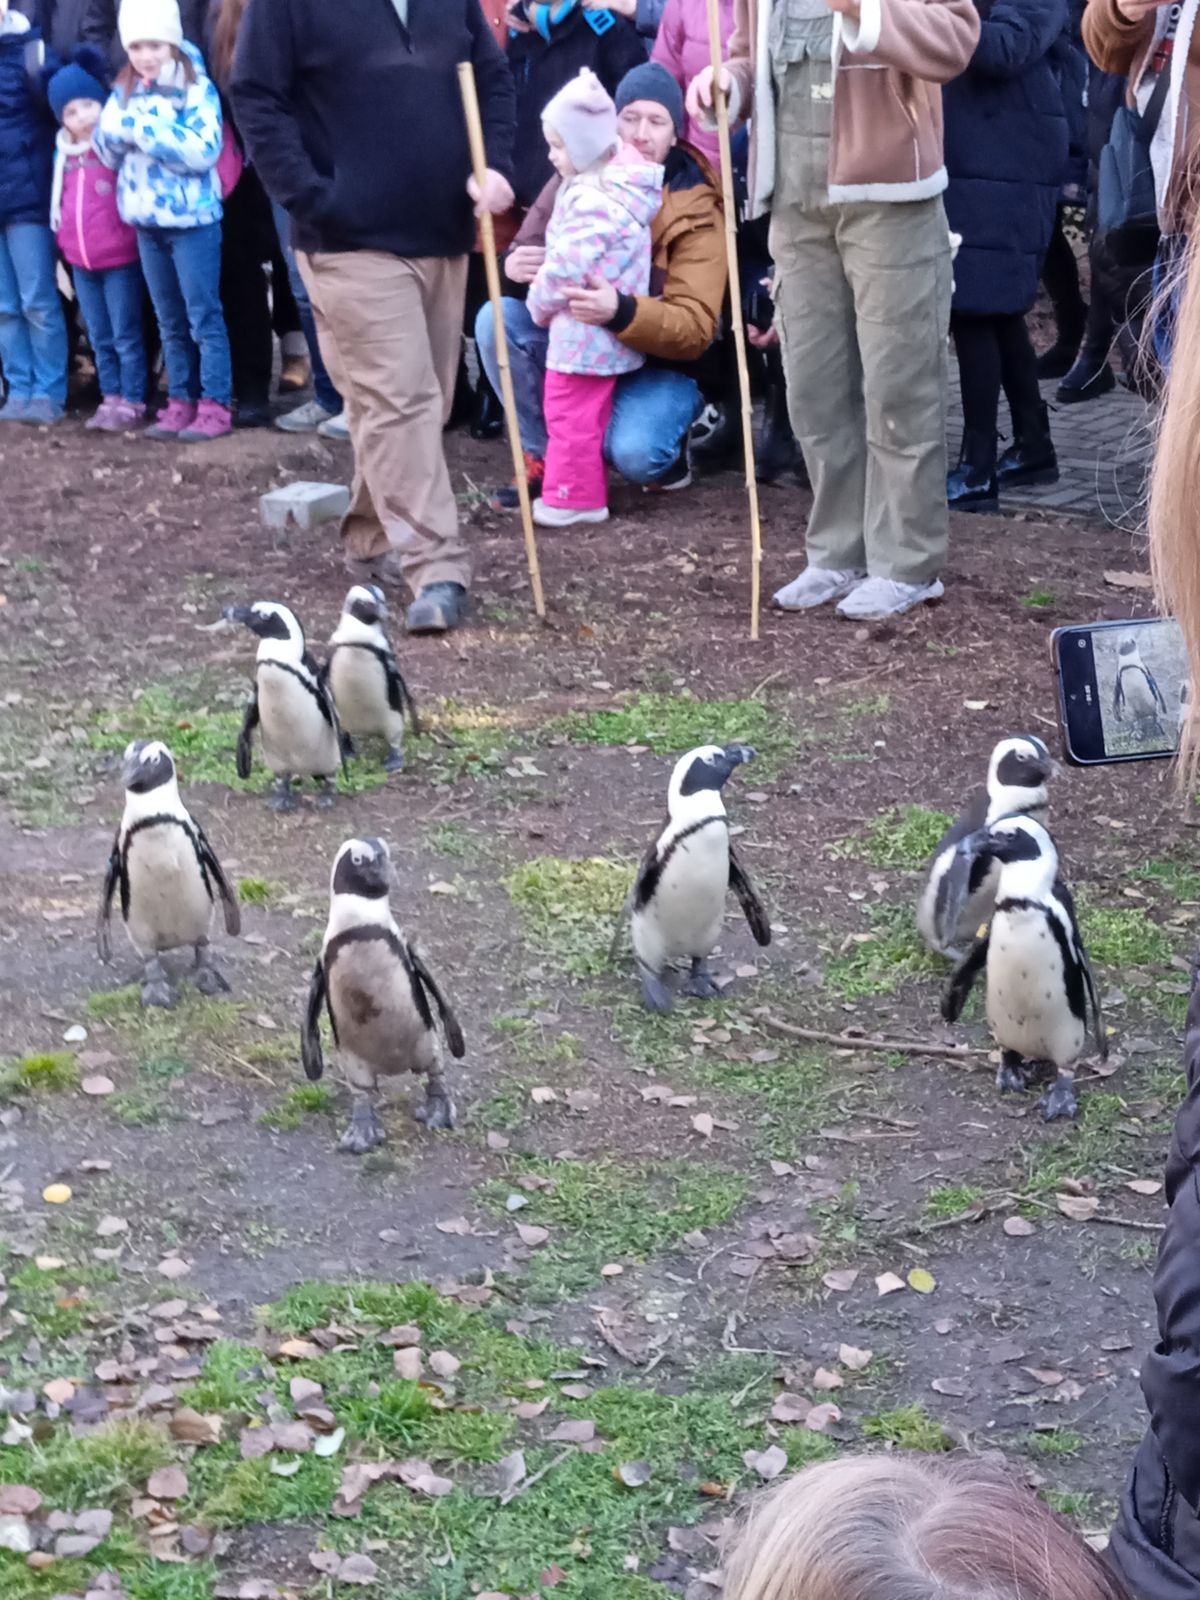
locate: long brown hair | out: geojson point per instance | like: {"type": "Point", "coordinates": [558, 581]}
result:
{"type": "Point", "coordinates": [225, 34]}
{"type": "Point", "coordinates": [126, 81]}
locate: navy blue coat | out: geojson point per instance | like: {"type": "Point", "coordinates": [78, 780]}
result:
{"type": "Point", "coordinates": [26, 130]}
{"type": "Point", "coordinates": [1006, 154]}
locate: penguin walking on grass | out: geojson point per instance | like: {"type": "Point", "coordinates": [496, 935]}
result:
{"type": "Point", "coordinates": [290, 706]}
{"type": "Point", "coordinates": [379, 995]}
{"type": "Point", "coordinates": [1041, 995]}
{"type": "Point", "coordinates": [1136, 695]}
{"type": "Point", "coordinates": [168, 876]}
{"type": "Point", "coordinates": [1019, 771]}
{"type": "Point", "coordinates": [368, 688]}
{"type": "Point", "coordinates": [677, 903]}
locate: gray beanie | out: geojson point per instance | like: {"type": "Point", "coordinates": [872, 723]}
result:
{"type": "Point", "coordinates": [652, 82]}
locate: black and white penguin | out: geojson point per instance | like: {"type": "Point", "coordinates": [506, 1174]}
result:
{"type": "Point", "coordinates": [1041, 995]}
{"type": "Point", "coordinates": [1019, 771]}
{"type": "Point", "coordinates": [369, 691]}
{"type": "Point", "coordinates": [167, 873]}
{"type": "Point", "coordinates": [677, 902]}
{"type": "Point", "coordinates": [377, 991]}
{"type": "Point", "coordinates": [1136, 696]}
{"type": "Point", "coordinates": [292, 709]}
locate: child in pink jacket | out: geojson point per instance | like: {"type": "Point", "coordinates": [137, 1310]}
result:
{"type": "Point", "coordinates": [101, 249]}
{"type": "Point", "coordinates": [599, 230]}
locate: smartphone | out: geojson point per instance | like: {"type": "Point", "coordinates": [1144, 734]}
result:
{"type": "Point", "coordinates": [1123, 690]}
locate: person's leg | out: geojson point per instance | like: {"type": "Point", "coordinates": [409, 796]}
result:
{"type": "Point", "coordinates": [123, 293]}
{"type": "Point", "coordinates": [527, 346]}
{"type": "Point", "coordinates": [16, 358]}
{"type": "Point", "coordinates": [1060, 275]}
{"type": "Point", "coordinates": [31, 248]}
{"type": "Point", "coordinates": [93, 308]}
{"type": "Point", "coordinates": [245, 307]}
{"type": "Point", "coordinates": [1030, 458]}
{"type": "Point", "coordinates": [324, 391]}
{"type": "Point", "coordinates": [444, 288]}
{"type": "Point", "coordinates": [971, 484]}
{"type": "Point", "coordinates": [196, 253]}
{"type": "Point", "coordinates": [158, 269]}
{"type": "Point", "coordinates": [653, 409]}
{"type": "Point", "coordinates": [897, 260]}
{"type": "Point", "coordinates": [578, 409]}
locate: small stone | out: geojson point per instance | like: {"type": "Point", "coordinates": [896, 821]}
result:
{"type": "Point", "coordinates": [303, 505]}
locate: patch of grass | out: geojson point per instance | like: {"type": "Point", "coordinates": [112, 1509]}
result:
{"type": "Point", "coordinates": [1104, 1136]}
{"type": "Point", "coordinates": [904, 836]}
{"type": "Point", "coordinates": [952, 1200]}
{"type": "Point", "coordinates": [41, 1074]}
{"type": "Point", "coordinates": [1076, 1507]}
{"type": "Point", "coordinates": [140, 1107]}
{"type": "Point", "coordinates": [302, 1100]}
{"type": "Point", "coordinates": [1124, 937]}
{"type": "Point", "coordinates": [570, 907]}
{"type": "Point", "coordinates": [258, 891]}
{"type": "Point", "coordinates": [892, 954]}
{"type": "Point", "coordinates": [454, 840]}
{"type": "Point", "coordinates": [466, 741]}
{"type": "Point", "coordinates": [1038, 600]}
{"type": "Point", "coordinates": [153, 1033]}
{"type": "Point", "coordinates": [103, 1468]}
{"type": "Point", "coordinates": [669, 724]}
{"type": "Point", "coordinates": [908, 1428]}
{"type": "Point", "coordinates": [784, 1100]}
{"type": "Point", "coordinates": [1177, 880]}
{"type": "Point", "coordinates": [1062, 1442]}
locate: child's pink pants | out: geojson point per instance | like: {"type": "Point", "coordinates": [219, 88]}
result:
{"type": "Point", "coordinates": [577, 410]}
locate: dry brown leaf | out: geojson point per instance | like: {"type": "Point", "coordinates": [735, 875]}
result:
{"type": "Point", "coordinates": [703, 1124]}
{"type": "Point", "coordinates": [1129, 580]}
{"type": "Point", "coordinates": [357, 1569]}
{"type": "Point", "coordinates": [768, 1463]}
{"type": "Point", "coordinates": [1079, 1207]}
{"type": "Point", "coordinates": [453, 1225]}
{"type": "Point", "coordinates": [405, 1333]}
{"type": "Point", "coordinates": [256, 1442]}
{"type": "Point", "coordinates": [824, 1379]}
{"type": "Point", "coordinates": [1116, 1341]}
{"type": "Point", "coordinates": [576, 1391]}
{"type": "Point", "coordinates": [611, 1269]}
{"type": "Point", "coordinates": [408, 1364]}
{"type": "Point", "coordinates": [790, 1407]}
{"type": "Point", "coordinates": [327, 1561]}
{"type": "Point", "coordinates": [18, 1500]}
{"type": "Point", "coordinates": [194, 1427]}
{"type": "Point", "coordinates": [59, 1390]}
{"type": "Point", "coordinates": [949, 1386]}
{"type": "Point", "coordinates": [497, 1141]}
{"type": "Point", "coordinates": [543, 1095]}
{"type": "Point", "coordinates": [302, 1390]}
{"type": "Point", "coordinates": [819, 1418]}
{"type": "Point", "coordinates": [528, 1409]}
{"type": "Point", "coordinates": [442, 1364]}
{"type": "Point", "coordinates": [574, 1431]}
{"type": "Point", "coordinates": [1046, 1376]}
{"type": "Point", "coordinates": [168, 1483]}
{"type": "Point", "coordinates": [841, 1279]}
{"type": "Point", "coordinates": [853, 1358]}
{"type": "Point", "coordinates": [97, 1084]}
{"type": "Point", "coordinates": [1018, 1227]}
{"type": "Point", "coordinates": [173, 1267]}
{"type": "Point", "coordinates": [532, 1235]}
{"type": "Point", "coordinates": [299, 1349]}
{"type": "Point", "coordinates": [633, 1474]}
{"type": "Point", "coordinates": [109, 1226]}
{"type": "Point", "coordinates": [1145, 1186]}
{"type": "Point", "coordinates": [889, 1283]}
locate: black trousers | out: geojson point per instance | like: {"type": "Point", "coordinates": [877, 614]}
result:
{"type": "Point", "coordinates": [994, 353]}
{"type": "Point", "coordinates": [248, 242]}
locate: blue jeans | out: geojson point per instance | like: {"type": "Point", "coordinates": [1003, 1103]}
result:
{"type": "Point", "coordinates": [110, 303]}
{"type": "Point", "coordinates": [323, 389]}
{"type": "Point", "coordinates": [33, 335]}
{"type": "Point", "coordinates": [183, 274]}
{"type": "Point", "coordinates": [652, 410]}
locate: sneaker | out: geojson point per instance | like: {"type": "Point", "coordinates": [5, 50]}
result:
{"type": "Point", "coordinates": [566, 516]}
{"type": "Point", "coordinates": [294, 373]}
{"type": "Point", "coordinates": [677, 476]}
{"type": "Point", "coordinates": [252, 416]}
{"type": "Point", "coordinates": [128, 416]}
{"type": "Point", "coordinates": [815, 586]}
{"type": "Point", "coordinates": [507, 498]}
{"type": "Point", "coordinates": [170, 423]}
{"type": "Point", "coordinates": [884, 597]}
{"type": "Point", "coordinates": [337, 427]}
{"type": "Point", "coordinates": [102, 418]}
{"type": "Point", "coordinates": [438, 608]}
{"type": "Point", "coordinates": [212, 421]}
{"type": "Point", "coordinates": [304, 419]}
{"type": "Point", "coordinates": [41, 412]}
{"type": "Point", "coordinates": [14, 409]}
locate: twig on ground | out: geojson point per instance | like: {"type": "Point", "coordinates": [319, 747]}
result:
{"type": "Point", "coordinates": [605, 1330]}
{"type": "Point", "coordinates": [908, 1047]}
{"type": "Point", "coordinates": [528, 1483]}
{"type": "Point", "coordinates": [1129, 1222]}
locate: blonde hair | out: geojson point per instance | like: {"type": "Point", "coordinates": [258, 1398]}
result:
{"type": "Point", "coordinates": [910, 1528]}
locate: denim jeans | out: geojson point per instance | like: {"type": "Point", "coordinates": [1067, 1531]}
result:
{"type": "Point", "coordinates": [652, 410]}
{"type": "Point", "coordinates": [110, 303]}
{"type": "Point", "coordinates": [183, 274]}
{"type": "Point", "coordinates": [33, 335]}
{"type": "Point", "coordinates": [323, 389]}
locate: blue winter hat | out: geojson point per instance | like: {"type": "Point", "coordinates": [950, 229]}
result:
{"type": "Point", "coordinates": [81, 79]}
{"type": "Point", "coordinates": [652, 82]}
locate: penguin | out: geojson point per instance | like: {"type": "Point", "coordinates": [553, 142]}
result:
{"type": "Point", "coordinates": [377, 991]}
{"type": "Point", "coordinates": [1041, 995]}
{"type": "Point", "coordinates": [1136, 696]}
{"type": "Point", "coordinates": [290, 706]}
{"type": "Point", "coordinates": [369, 692]}
{"type": "Point", "coordinates": [167, 873]}
{"type": "Point", "coordinates": [677, 903]}
{"type": "Point", "coordinates": [1018, 772]}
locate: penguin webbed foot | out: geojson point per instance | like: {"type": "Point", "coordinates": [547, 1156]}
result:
{"type": "Point", "coordinates": [438, 1111]}
{"type": "Point", "coordinates": [365, 1131]}
{"type": "Point", "coordinates": [655, 994]}
{"type": "Point", "coordinates": [156, 987]}
{"type": "Point", "coordinates": [327, 794]}
{"type": "Point", "coordinates": [1012, 1075]}
{"type": "Point", "coordinates": [283, 797]}
{"type": "Point", "coordinates": [1059, 1099]}
{"type": "Point", "coordinates": [701, 984]}
{"type": "Point", "coordinates": [209, 980]}
{"type": "Point", "coordinates": [394, 760]}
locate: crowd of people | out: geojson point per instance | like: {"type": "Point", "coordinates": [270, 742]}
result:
{"type": "Point", "coordinates": [182, 182]}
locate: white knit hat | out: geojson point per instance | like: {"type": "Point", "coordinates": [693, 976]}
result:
{"type": "Point", "coordinates": [584, 117]}
{"type": "Point", "coordinates": [149, 21]}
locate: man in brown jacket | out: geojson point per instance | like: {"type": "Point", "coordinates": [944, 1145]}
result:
{"type": "Point", "coordinates": [846, 153]}
{"type": "Point", "coordinates": [672, 326]}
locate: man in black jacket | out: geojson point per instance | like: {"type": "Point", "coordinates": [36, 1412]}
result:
{"type": "Point", "coordinates": [351, 114]}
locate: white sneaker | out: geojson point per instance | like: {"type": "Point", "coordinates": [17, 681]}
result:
{"type": "Point", "coordinates": [815, 586]}
{"type": "Point", "coordinates": [884, 597]}
{"type": "Point", "coordinates": [335, 427]}
{"type": "Point", "coordinates": [304, 419]}
{"type": "Point", "coordinates": [566, 516]}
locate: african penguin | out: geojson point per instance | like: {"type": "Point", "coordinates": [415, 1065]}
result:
{"type": "Point", "coordinates": [1041, 995]}
{"type": "Point", "coordinates": [1136, 696]}
{"type": "Point", "coordinates": [1018, 772]}
{"type": "Point", "coordinates": [377, 991]}
{"type": "Point", "coordinates": [167, 873]}
{"type": "Point", "coordinates": [677, 902]}
{"type": "Point", "coordinates": [369, 692]}
{"type": "Point", "coordinates": [289, 705]}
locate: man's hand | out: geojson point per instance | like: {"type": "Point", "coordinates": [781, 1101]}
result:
{"type": "Point", "coordinates": [496, 195]}
{"type": "Point", "coordinates": [700, 91]}
{"type": "Point", "coordinates": [762, 338]}
{"type": "Point", "coordinates": [851, 8]}
{"type": "Point", "coordinates": [596, 302]}
{"type": "Point", "coordinates": [522, 262]}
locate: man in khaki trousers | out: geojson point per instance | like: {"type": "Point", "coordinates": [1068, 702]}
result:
{"type": "Point", "coordinates": [352, 116]}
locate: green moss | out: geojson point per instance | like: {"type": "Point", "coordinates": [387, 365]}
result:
{"type": "Point", "coordinates": [908, 1428]}
{"type": "Point", "coordinates": [302, 1100]}
{"type": "Point", "coordinates": [904, 836]}
{"type": "Point", "coordinates": [42, 1074]}
{"type": "Point", "coordinates": [1038, 600]}
{"type": "Point", "coordinates": [952, 1200]}
{"type": "Point", "coordinates": [258, 891]}
{"type": "Point", "coordinates": [670, 724]}
{"type": "Point", "coordinates": [570, 907]}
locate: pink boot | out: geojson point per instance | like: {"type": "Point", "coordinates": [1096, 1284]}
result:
{"type": "Point", "coordinates": [213, 421]}
{"type": "Point", "coordinates": [104, 416]}
{"type": "Point", "coordinates": [119, 416]}
{"type": "Point", "coordinates": [169, 424]}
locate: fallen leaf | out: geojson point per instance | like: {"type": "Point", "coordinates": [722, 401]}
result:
{"type": "Point", "coordinates": [18, 1500]}
{"type": "Point", "coordinates": [633, 1474]}
{"type": "Point", "coordinates": [173, 1267]}
{"type": "Point", "coordinates": [108, 1227]}
{"type": "Point", "coordinates": [1079, 1207]}
{"type": "Point", "coordinates": [703, 1124]}
{"type": "Point", "coordinates": [56, 1194]}
{"type": "Point", "coordinates": [327, 1561]}
{"type": "Point", "coordinates": [357, 1569]}
{"type": "Point", "coordinates": [543, 1095]}
{"type": "Point", "coordinates": [782, 1169]}
{"type": "Point", "coordinates": [574, 1431]}
{"type": "Point", "coordinates": [408, 1364]}
{"type": "Point", "coordinates": [1046, 1376]}
{"type": "Point", "coordinates": [819, 1418]}
{"type": "Point", "coordinates": [797, 1248]}
{"type": "Point", "coordinates": [59, 1390]}
{"type": "Point", "coordinates": [888, 1283]}
{"type": "Point", "coordinates": [97, 1522]}
{"type": "Point", "coordinates": [194, 1427]}
{"type": "Point", "coordinates": [841, 1279]}
{"type": "Point", "coordinates": [922, 1281]}
{"type": "Point", "coordinates": [429, 1483]}
{"type": "Point", "coordinates": [254, 1443]}
{"type": "Point", "coordinates": [854, 1358]}
{"type": "Point", "coordinates": [15, 1535]}
{"type": "Point", "coordinates": [509, 1471]}
{"type": "Point", "coordinates": [453, 1225]}
{"type": "Point", "coordinates": [790, 1407]}
{"type": "Point", "coordinates": [1018, 1227]}
{"type": "Point", "coordinates": [516, 1202]}
{"type": "Point", "coordinates": [528, 1409]}
{"type": "Point", "coordinates": [95, 1164]}
{"type": "Point", "coordinates": [97, 1084]}
{"type": "Point", "coordinates": [824, 1379]}
{"type": "Point", "coordinates": [531, 1235]}
{"type": "Point", "coordinates": [443, 1364]}
{"type": "Point", "coordinates": [168, 1483]}
{"type": "Point", "coordinates": [1116, 1341]}
{"type": "Point", "coordinates": [583, 1100]}
{"type": "Point", "coordinates": [1129, 580]}
{"type": "Point", "coordinates": [550, 1577]}
{"type": "Point", "coordinates": [299, 1349]}
{"type": "Point", "coordinates": [303, 1390]}
{"type": "Point", "coordinates": [49, 1263]}
{"type": "Point", "coordinates": [404, 1333]}
{"type": "Point", "coordinates": [497, 1141]}
{"type": "Point", "coordinates": [328, 1444]}
{"type": "Point", "coordinates": [768, 1463]}
{"type": "Point", "coordinates": [612, 1269]}
{"type": "Point", "coordinates": [1145, 1185]}
{"type": "Point", "coordinates": [949, 1386]}
{"type": "Point", "coordinates": [70, 1546]}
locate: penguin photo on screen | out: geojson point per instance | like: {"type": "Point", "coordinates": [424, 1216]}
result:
{"type": "Point", "coordinates": [369, 691]}
{"type": "Point", "coordinates": [1136, 696]}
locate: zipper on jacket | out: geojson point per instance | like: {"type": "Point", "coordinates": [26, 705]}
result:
{"type": "Point", "coordinates": [80, 170]}
{"type": "Point", "coordinates": [1166, 1528]}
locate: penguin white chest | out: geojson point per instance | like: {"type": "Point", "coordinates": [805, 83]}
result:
{"type": "Point", "coordinates": [683, 919]}
{"type": "Point", "coordinates": [1027, 1006]}
{"type": "Point", "coordinates": [359, 683]}
{"type": "Point", "coordinates": [1138, 696]}
{"type": "Point", "coordinates": [296, 738]}
{"type": "Point", "coordinates": [169, 907]}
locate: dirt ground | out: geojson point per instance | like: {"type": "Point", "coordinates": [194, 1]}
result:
{"type": "Point", "coordinates": [710, 1207]}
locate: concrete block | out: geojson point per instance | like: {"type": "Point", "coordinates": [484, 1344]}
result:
{"type": "Point", "coordinates": [304, 504]}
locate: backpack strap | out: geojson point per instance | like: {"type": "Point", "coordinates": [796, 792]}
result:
{"type": "Point", "coordinates": [1152, 115]}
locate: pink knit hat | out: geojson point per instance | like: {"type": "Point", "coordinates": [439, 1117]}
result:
{"type": "Point", "coordinates": [584, 117]}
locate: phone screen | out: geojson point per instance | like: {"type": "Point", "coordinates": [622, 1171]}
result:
{"type": "Point", "coordinates": [1124, 689]}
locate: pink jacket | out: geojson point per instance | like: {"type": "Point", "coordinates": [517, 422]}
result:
{"type": "Point", "coordinates": [88, 226]}
{"type": "Point", "coordinates": [682, 47]}
{"type": "Point", "coordinates": [600, 227]}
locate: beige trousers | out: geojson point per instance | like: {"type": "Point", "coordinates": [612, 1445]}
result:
{"type": "Point", "coordinates": [863, 307]}
{"type": "Point", "coordinates": [390, 331]}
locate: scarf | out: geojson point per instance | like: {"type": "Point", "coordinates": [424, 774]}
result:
{"type": "Point", "coordinates": [543, 17]}
{"type": "Point", "coordinates": [64, 146]}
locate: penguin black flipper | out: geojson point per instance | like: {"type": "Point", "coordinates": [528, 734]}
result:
{"type": "Point", "coordinates": [640, 892]}
{"type": "Point", "coordinates": [314, 666]}
{"type": "Point", "coordinates": [230, 908]}
{"type": "Point", "coordinates": [400, 695]}
{"type": "Point", "coordinates": [756, 912]}
{"type": "Point", "coordinates": [249, 723]}
{"type": "Point", "coordinates": [455, 1042]}
{"type": "Point", "coordinates": [310, 1033]}
{"type": "Point", "coordinates": [963, 977]}
{"type": "Point", "coordinates": [1090, 1013]}
{"type": "Point", "coordinates": [1155, 691]}
{"type": "Point", "coordinates": [112, 876]}
{"type": "Point", "coordinates": [1118, 704]}
{"type": "Point", "coordinates": [960, 881]}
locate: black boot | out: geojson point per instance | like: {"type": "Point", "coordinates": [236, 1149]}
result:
{"type": "Point", "coordinates": [1030, 458]}
{"type": "Point", "coordinates": [1088, 379]}
{"type": "Point", "coordinates": [777, 452]}
{"type": "Point", "coordinates": [716, 439]}
{"type": "Point", "coordinates": [1060, 358]}
{"type": "Point", "coordinates": [462, 407]}
{"type": "Point", "coordinates": [971, 485]}
{"type": "Point", "coordinates": [488, 419]}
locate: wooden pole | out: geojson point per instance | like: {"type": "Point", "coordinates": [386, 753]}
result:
{"type": "Point", "coordinates": [470, 100]}
{"type": "Point", "coordinates": [735, 307]}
